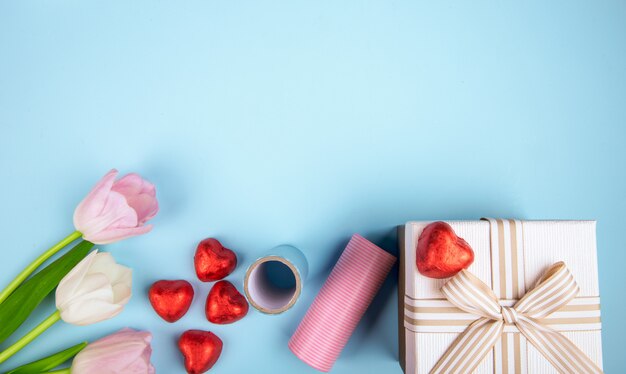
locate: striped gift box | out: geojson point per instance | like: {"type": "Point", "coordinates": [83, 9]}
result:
{"type": "Point", "coordinates": [510, 256]}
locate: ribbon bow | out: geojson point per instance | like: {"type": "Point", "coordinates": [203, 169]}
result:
{"type": "Point", "coordinates": [555, 289]}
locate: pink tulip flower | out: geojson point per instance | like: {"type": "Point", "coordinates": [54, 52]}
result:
{"type": "Point", "coordinates": [116, 209]}
{"type": "Point", "coordinates": [126, 351]}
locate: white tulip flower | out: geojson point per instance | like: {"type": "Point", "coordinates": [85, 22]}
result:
{"type": "Point", "coordinates": [94, 290]}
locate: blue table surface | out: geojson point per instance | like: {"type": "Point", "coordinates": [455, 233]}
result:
{"type": "Point", "coordinates": [269, 122]}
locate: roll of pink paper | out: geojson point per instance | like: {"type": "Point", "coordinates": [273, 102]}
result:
{"type": "Point", "coordinates": [342, 301]}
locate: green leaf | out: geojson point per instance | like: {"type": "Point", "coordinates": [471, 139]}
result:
{"type": "Point", "coordinates": [49, 362]}
{"type": "Point", "coordinates": [17, 307]}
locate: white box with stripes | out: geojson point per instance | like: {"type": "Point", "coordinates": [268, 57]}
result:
{"type": "Point", "coordinates": [510, 257]}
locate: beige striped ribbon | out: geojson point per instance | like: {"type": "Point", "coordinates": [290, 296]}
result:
{"type": "Point", "coordinates": [554, 290]}
{"type": "Point", "coordinates": [507, 281]}
{"type": "Point", "coordinates": [441, 316]}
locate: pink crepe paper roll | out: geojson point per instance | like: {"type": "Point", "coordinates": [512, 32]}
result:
{"type": "Point", "coordinates": [342, 301]}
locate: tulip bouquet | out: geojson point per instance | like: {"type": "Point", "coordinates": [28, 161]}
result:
{"type": "Point", "coordinates": [90, 286]}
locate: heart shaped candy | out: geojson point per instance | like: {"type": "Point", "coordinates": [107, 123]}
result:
{"type": "Point", "coordinates": [171, 298]}
{"type": "Point", "coordinates": [201, 349]}
{"type": "Point", "coordinates": [225, 304]}
{"type": "Point", "coordinates": [441, 253]}
{"type": "Point", "coordinates": [213, 261]}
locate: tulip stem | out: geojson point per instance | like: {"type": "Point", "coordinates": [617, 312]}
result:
{"type": "Point", "coordinates": [43, 326]}
{"type": "Point", "coordinates": [61, 371]}
{"type": "Point", "coordinates": [21, 277]}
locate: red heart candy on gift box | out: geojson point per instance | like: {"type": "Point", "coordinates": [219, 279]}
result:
{"type": "Point", "coordinates": [441, 253]}
{"type": "Point", "coordinates": [213, 261]}
{"type": "Point", "coordinates": [171, 298]}
{"type": "Point", "coordinates": [225, 304]}
{"type": "Point", "coordinates": [201, 349]}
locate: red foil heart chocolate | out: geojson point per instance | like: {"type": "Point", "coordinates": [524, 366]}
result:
{"type": "Point", "coordinates": [225, 304]}
{"type": "Point", "coordinates": [201, 349]}
{"type": "Point", "coordinates": [171, 298]}
{"type": "Point", "coordinates": [440, 253]}
{"type": "Point", "coordinates": [213, 261]}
